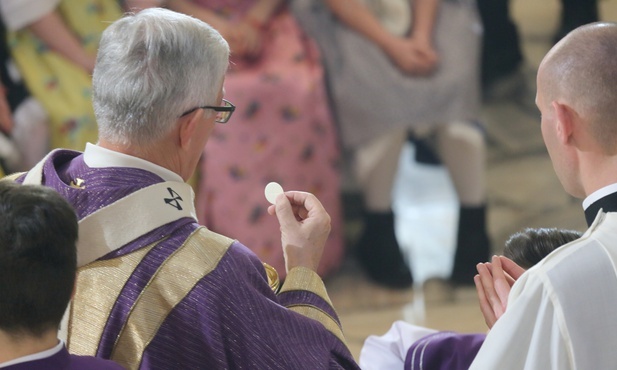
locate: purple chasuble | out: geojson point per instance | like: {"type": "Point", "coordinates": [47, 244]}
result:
{"type": "Point", "coordinates": [229, 319]}
{"type": "Point", "coordinates": [444, 351]}
{"type": "Point", "coordinates": [64, 361]}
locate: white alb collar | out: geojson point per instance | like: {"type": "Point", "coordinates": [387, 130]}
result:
{"type": "Point", "coordinates": [97, 157]}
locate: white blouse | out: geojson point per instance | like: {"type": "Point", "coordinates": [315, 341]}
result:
{"type": "Point", "coordinates": [17, 14]}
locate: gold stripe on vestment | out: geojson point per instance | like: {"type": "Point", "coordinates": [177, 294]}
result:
{"type": "Point", "coordinates": [322, 317]}
{"type": "Point", "coordinates": [175, 278]}
{"type": "Point", "coordinates": [302, 278]}
{"type": "Point", "coordinates": [98, 286]}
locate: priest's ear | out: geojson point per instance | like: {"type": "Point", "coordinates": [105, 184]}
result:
{"type": "Point", "coordinates": [187, 127]}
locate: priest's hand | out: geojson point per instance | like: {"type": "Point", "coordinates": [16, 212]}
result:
{"type": "Point", "coordinates": [305, 226]}
{"type": "Point", "coordinates": [493, 284]}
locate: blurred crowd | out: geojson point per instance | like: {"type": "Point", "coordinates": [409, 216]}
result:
{"type": "Point", "coordinates": [319, 86]}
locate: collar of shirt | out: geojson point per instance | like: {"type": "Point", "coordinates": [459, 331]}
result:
{"type": "Point", "coordinates": [35, 356]}
{"type": "Point", "coordinates": [598, 194]}
{"type": "Point", "coordinates": [98, 157]}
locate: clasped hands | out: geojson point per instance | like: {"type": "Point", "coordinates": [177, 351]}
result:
{"type": "Point", "coordinates": [493, 284]}
{"type": "Point", "coordinates": [413, 56]}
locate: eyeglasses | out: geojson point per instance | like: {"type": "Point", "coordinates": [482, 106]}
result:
{"type": "Point", "coordinates": [223, 113]}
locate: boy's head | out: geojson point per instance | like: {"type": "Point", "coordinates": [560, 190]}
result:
{"type": "Point", "coordinates": [38, 259]}
{"type": "Point", "coordinates": [528, 247]}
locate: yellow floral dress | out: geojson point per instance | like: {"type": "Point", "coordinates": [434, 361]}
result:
{"type": "Point", "coordinates": [62, 87]}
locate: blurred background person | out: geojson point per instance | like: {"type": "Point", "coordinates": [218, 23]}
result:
{"type": "Point", "coordinates": [47, 56]}
{"type": "Point", "coordinates": [53, 43]}
{"type": "Point", "coordinates": [23, 121]}
{"type": "Point", "coordinates": [396, 67]}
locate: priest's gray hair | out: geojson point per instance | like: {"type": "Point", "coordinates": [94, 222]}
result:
{"type": "Point", "coordinates": [151, 67]}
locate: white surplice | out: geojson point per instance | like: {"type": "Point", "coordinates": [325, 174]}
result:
{"type": "Point", "coordinates": [561, 313]}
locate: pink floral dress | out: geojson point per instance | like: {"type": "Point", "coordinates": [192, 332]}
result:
{"type": "Point", "coordinates": [282, 131]}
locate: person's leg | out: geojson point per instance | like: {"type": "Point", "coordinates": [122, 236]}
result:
{"type": "Point", "coordinates": [9, 156]}
{"type": "Point", "coordinates": [31, 132]}
{"type": "Point", "coordinates": [375, 166]}
{"type": "Point", "coordinates": [575, 13]}
{"type": "Point", "coordinates": [462, 149]}
{"type": "Point", "coordinates": [501, 49]}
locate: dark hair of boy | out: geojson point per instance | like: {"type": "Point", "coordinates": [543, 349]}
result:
{"type": "Point", "coordinates": [529, 246]}
{"type": "Point", "coordinates": [38, 234]}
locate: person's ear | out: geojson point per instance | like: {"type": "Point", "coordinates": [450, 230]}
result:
{"type": "Point", "coordinates": [187, 128]}
{"type": "Point", "coordinates": [566, 118]}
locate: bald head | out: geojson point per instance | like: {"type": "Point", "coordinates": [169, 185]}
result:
{"type": "Point", "coordinates": [581, 71]}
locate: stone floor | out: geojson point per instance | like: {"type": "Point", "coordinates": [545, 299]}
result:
{"type": "Point", "coordinates": [523, 191]}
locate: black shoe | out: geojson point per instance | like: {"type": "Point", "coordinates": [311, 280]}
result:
{"type": "Point", "coordinates": [379, 254]}
{"type": "Point", "coordinates": [472, 245]}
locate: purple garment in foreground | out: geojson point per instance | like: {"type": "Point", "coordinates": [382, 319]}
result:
{"type": "Point", "coordinates": [444, 351]}
{"type": "Point", "coordinates": [229, 319]}
{"type": "Point", "coordinates": [64, 361]}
